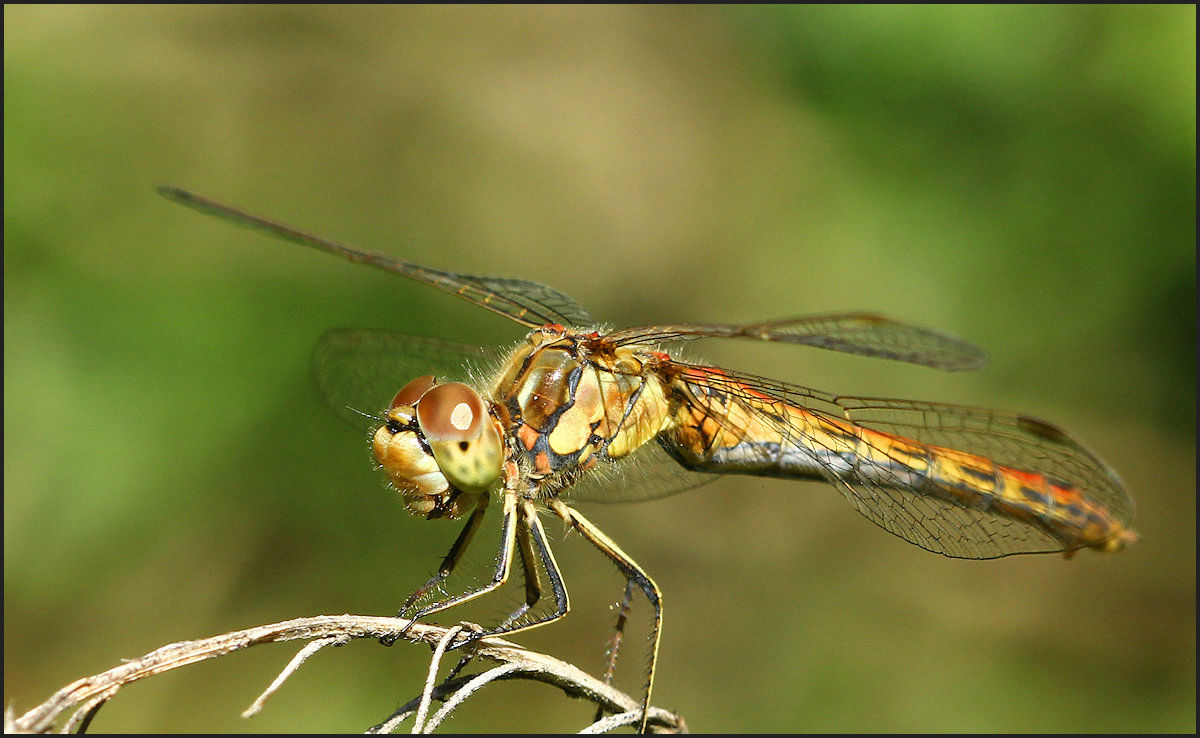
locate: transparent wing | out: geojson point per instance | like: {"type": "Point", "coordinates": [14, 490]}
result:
{"type": "Point", "coordinates": [891, 500]}
{"type": "Point", "coordinates": [528, 303]}
{"type": "Point", "coordinates": [648, 474]}
{"type": "Point", "coordinates": [1015, 441]}
{"type": "Point", "coordinates": [358, 372]}
{"type": "Point", "coordinates": [865, 334]}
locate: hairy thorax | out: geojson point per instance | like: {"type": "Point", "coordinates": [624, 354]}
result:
{"type": "Point", "coordinates": [571, 405]}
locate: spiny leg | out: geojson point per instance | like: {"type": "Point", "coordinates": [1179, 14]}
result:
{"type": "Point", "coordinates": [529, 534]}
{"type": "Point", "coordinates": [618, 632]}
{"type": "Point", "coordinates": [536, 534]}
{"type": "Point", "coordinates": [499, 577]}
{"type": "Point", "coordinates": [562, 603]}
{"type": "Point", "coordinates": [614, 645]}
{"type": "Point", "coordinates": [443, 572]}
{"type": "Point", "coordinates": [634, 575]}
{"type": "Point", "coordinates": [533, 585]}
{"type": "Point", "coordinates": [451, 560]}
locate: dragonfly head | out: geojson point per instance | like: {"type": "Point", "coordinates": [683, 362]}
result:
{"type": "Point", "coordinates": [440, 447]}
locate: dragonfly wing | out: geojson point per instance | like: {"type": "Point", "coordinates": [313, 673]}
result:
{"type": "Point", "coordinates": [865, 334]}
{"type": "Point", "coordinates": [1014, 441]}
{"type": "Point", "coordinates": [528, 303]}
{"type": "Point", "coordinates": [878, 453]}
{"type": "Point", "coordinates": [648, 474]}
{"type": "Point", "coordinates": [358, 372]}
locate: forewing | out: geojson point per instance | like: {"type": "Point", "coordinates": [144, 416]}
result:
{"type": "Point", "coordinates": [528, 303]}
{"type": "Point", "coordinates": [864, 334]}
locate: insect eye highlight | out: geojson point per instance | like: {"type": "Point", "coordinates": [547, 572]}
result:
{"type": "Point", "coordinates": [451, 412]}
{"type": "Point", "coordinates": [463, 438]}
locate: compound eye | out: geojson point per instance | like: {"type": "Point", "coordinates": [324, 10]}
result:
{"type": "Point", "coordinates": [450, 412]}
{"type": "Point", "coordinates": [410, 393]}
{"type": "Point", "coordinates": [462, 436]}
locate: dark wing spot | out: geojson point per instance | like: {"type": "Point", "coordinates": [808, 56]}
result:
{"type": "Point", "coordinates": [1043, 430]}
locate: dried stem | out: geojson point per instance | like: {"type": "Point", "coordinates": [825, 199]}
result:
{"type": "Point", "coordinates": [78, 702]}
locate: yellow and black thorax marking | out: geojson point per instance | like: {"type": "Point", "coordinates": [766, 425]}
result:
{"type": "Point", "coordinates": [570, 405]}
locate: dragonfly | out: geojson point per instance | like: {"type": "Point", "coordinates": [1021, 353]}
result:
{"type": "Point", "coordinates": [577, 413]}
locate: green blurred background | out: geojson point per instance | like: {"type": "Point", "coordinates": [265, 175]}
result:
{"type": "Point", "coordinates": [1023, 177]}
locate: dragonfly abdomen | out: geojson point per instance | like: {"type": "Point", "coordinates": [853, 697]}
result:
{"type": "Point", "coordinates": [967, 480]}
{"type": "Point", "coordinates": [724, 428]}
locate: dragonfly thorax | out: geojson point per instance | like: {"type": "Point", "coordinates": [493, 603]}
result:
{"type": "Point", "coordinates": [440, 447]}
{"type": "Point", "coordinates": [571, 405]}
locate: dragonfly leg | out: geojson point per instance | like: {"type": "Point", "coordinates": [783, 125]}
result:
{"type": "Point", "coordinates": [618, 632]}
{"type": "Point", "coordinates": [534, 536]}
{"type": "Point", "coordinates": [634, 575]}
{"type": "Point", "coordinates": [614, 645]}
{"type": "Point", "coordinates": [533, 585]}
{"type": "Point", "coordinates": [450, 561]}
{"type": "Point", "coordinates": [500, 576]}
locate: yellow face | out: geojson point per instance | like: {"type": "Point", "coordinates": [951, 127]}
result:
{"type": "Point", "coordinates": [440, 447]}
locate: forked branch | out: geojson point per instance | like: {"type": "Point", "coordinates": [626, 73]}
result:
{"type": "Point", "coordinates": [76, 703]}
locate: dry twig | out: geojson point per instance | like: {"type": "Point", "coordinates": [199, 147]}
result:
{"type": "Point", "coordinates": [78, 702]}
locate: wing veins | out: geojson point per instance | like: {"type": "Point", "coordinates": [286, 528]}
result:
{"type": "Point", "coordinates": [926, 520]}
{"type": "Point", "coordinates": [528, 303]}
{"type": "Point", "coordinates": [864, 334]}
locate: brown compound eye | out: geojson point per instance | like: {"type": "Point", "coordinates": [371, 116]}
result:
{"type": "Point", "coordinates": [413, 391]}
{"type": "Point", "coordinates": [450, 412]}
{"type": "Point", "coordinates": [464, 439]}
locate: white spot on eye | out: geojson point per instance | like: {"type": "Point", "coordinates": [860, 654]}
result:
{"type": "Point", "coordinates": [461, 416]}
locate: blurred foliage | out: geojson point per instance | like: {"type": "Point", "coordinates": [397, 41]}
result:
{"type": "Point", "coordinates": [1022, 176]}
